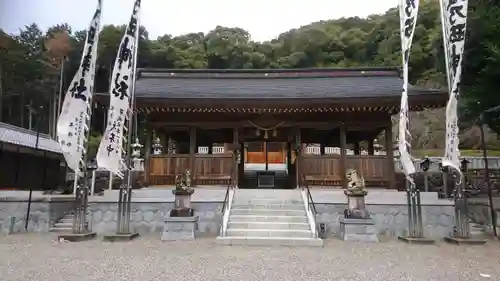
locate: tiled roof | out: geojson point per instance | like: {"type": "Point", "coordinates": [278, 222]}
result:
{"type": "Point", "coordinates": [27, 138]}
{"type": "Point", "coordinates": [272, 84]}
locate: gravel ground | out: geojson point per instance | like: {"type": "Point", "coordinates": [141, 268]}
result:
{"type": "Point", "coordinates": [40, 257]}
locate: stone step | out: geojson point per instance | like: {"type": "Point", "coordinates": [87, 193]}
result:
{"type": "Point", "coordinates": [64, 224]}
{"type": "Point", "coordinates": [270, 241]}
{"type": "Point", "coordinates": [478, 230]}
{"type": "Point", "coordinates": [269, 233]}
{"type": "Point", "coordinates": [263, 201]}
{"type": "Point", "coordinates": [268, 225]}
{"type": "Point", "coordinates": [268, 212]}
{"type": "Point", "coordinates": [66, 220]}
{"type": "Point", "coordinates": [60, 229]}
{"type": "Point", "coordinates": [269, 206]}
{"type": "Point", "coordinates": [264, 218]}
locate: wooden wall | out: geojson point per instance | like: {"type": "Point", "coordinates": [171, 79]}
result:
{"type": "Point", "coordinates": [24, 171]}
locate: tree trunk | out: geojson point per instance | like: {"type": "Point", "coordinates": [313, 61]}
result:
{"type": "Point", "coordinates": [21, 110]}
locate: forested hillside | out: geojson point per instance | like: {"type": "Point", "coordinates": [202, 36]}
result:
{"type": "Point", "coordinates": [30, 62]}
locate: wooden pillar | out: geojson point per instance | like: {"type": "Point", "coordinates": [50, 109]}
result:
{"type": "Point", "coordinates": [192, 149]}
{"type": "Point", "coordinates": [357, 148]}
{"type": "Point", "coordinates": [236, 148]}
{"type": "Point", "coordinates": [390, 155]}
{"type": "Point", "coordinates": [298, 156]}
{"type": "Point", "coordinates": [147, 155]}
{"type": "Point", "coordinates": [371, 148]}
{"type": "Point", "coordinates": [210, 148]}
{"type": "Point", "coordinates": [343, 155]}
{"type": "Point", "coordinates": [322, 148]}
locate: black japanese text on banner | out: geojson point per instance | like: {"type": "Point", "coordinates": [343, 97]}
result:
{"type": "Point", "coordinates": [109, 155]}
{"type": "Point", "coordinates": [453, 20]}
{"type": "Point", "coordinates": [76, 110]}
{"type": "Point", "coordinates": [408, 11]}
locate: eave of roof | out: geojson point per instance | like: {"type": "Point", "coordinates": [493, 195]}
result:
{"type": "Point", "coordinates": [27, 138]}
{"type": "Point", "coordinates": [272, 84]}
{"type": "Point", "coordinates": [363, 85]}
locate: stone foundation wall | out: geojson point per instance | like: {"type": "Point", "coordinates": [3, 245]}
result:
{"type": "Point", "coordinates": [388, 210]}
{"type": "Point", "coordinates": [149, 217]}
{"type": "Point", "coordinates": [44, 212]}
{"type": "Point", "coordinates": [391, 220]}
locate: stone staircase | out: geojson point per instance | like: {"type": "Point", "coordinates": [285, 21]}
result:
{"type": "Point", "coordinates": [64, 225]}
{"type": "Point", "coordinates": [482, 231]}
{"type": "Point", "coordinates": [268, 217]}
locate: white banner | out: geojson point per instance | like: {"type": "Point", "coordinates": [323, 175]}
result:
{"type": "Point", "coordinates": [453, 20]}
{"type": "Point", "coordinates": [408, 10]}
{"type": "Point", "coordinates": [109, 155]}
{"type": "Point", "coordinates": [72, 124]}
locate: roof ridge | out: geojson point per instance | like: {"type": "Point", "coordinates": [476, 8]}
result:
{"type": "Point", "coordinates": [270, 70]}
{"type": "Point", "coordinates": [269, 75]}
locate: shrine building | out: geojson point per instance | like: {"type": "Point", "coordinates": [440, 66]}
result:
{"type": "Point", "coordinates": [272, 128]}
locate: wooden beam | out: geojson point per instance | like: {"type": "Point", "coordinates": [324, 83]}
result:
{"type": "Point", "coordinates": [371, 148]}
{"type": "Point", "coordinates": [343, 155]}
{"type": "Point", "coordinates": [390, 154]}
{"type": "Point", "coordinates": [192, 149]}
{"type": "Point", "coordinates": [182, 125]}
{"type": "Point", "coordinates": [357, 148]}
{"type": "Point", "coordinates": [235, 150]}
{"type": "Point", "coordinates": [147, 155]}
{"type": "Point", "coordinates": [298, 156]}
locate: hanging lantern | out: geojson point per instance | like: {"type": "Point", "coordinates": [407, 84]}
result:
{"type": "Point", "coordinates": [275, 133]}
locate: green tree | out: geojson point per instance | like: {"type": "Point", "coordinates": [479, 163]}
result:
{"type": "Point", "coordinates": [28, 59]}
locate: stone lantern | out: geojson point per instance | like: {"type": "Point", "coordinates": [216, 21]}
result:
{"type": "Point", "coordinates": [136, 155]}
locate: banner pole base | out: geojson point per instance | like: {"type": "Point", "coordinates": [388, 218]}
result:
{"type": "Point", "coordinates": [77, 237]}
{"type": "Point", "coordinates": [416, 240]}
{"type": "Point", "coordinates": [464, 240]}
{"type": "Point", "coordinates": [120, 237]}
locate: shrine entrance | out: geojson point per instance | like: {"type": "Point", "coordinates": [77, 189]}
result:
{"type": "Point", "coordinates": [267, 164]}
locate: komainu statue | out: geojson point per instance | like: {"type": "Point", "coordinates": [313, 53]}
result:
{"type": "Point", "coordinates": [356, 193]}
{"type": "Point", "coordinates": [183, 183]}
{"type": "Point", "coordinates": [355, 183]}
{"type": "Point", "coordinates": [183, 191]}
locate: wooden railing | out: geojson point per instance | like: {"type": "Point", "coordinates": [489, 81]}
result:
{"type": "Point", "coordinates": [214, 169]}
{"type": "Point", "coordinates": [164, 168]}
{"type": "Point", "coordinates": [326, 170]}
{"type": "Point", "coordinates": [373, 168]}
{"type": "Point", "coordinates": [209, 169]}
{"type": "Point", "coordinates": [323, 170]}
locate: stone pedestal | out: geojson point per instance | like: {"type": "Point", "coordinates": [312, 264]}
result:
{"type": "Point", "coordinates": [182, 204]}
{"type": "Point", "coordinates": [179, 228]}
{"type": "Point", "coordinates": [356, 204]}
{"type": "Point", "coordinates": [182, 201]}
{"type": "Point", "coordinates": [361, 230]}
